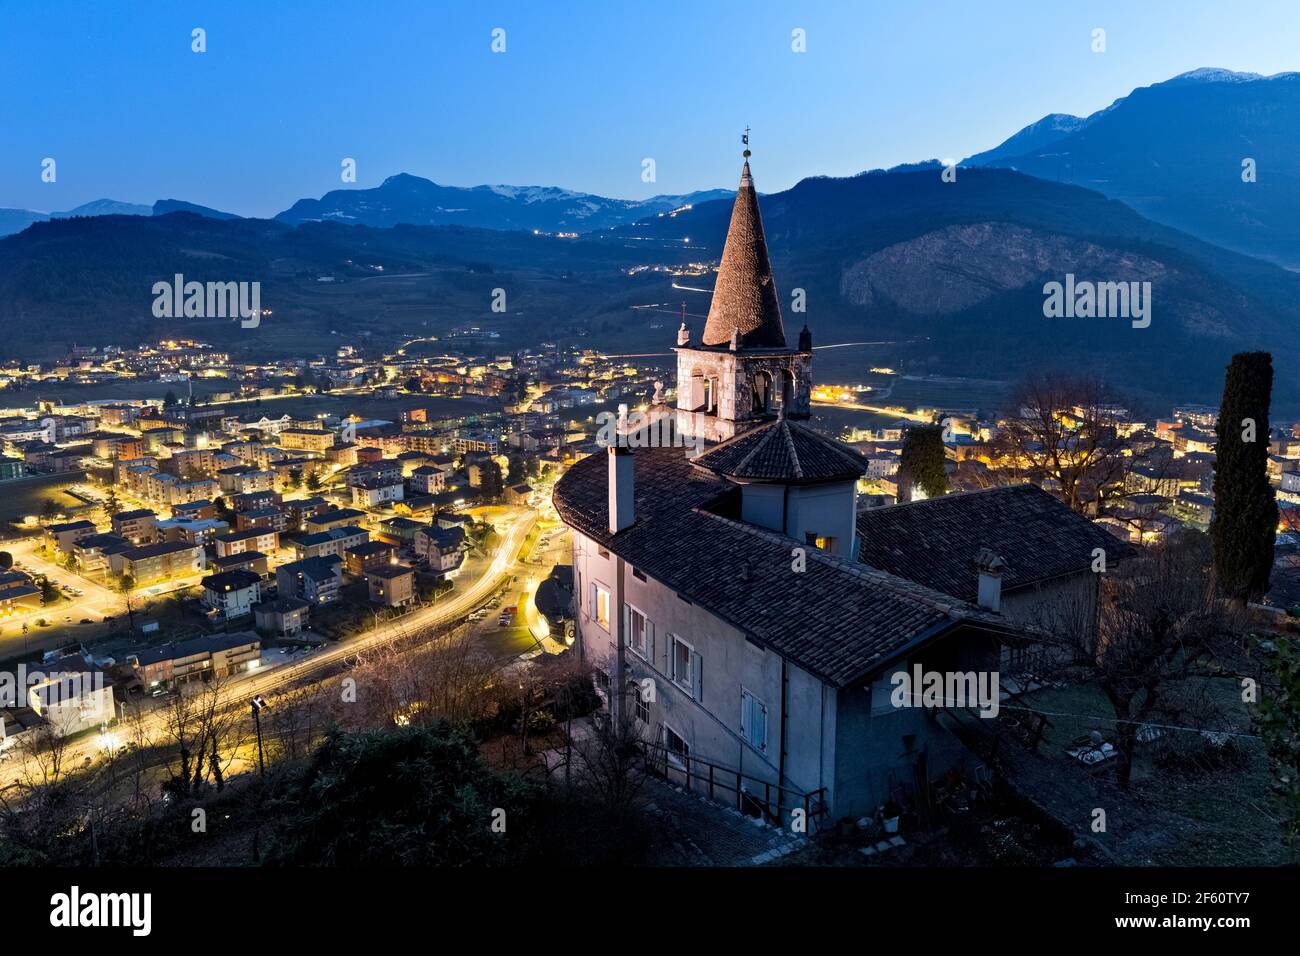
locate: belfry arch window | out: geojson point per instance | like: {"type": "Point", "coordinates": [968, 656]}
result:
{"type": "Point", "coordinates": [762, 392]}
{"type": "Point", "coordinates": [786, 378]}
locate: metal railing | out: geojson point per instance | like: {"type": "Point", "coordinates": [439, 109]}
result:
{"type": "Point", "coordinates": [753, 796]}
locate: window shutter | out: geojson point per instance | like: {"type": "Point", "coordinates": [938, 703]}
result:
{"type": "Point", "coordinates": [627, 625]}
{"type": "Point", "coordinates": [650, 641]}
{"type": "Point", "coordinates": [697, 675]}
{"type": "Point", "coordinates": [745, 700]}
{"type": "Point", "coordinates": [672, 657]}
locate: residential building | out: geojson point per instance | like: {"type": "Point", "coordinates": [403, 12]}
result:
{"type": "Point", "coordinates": [283, 617]}
{"type": "Point", "coordinates": [232, 594]}
{"type": "Point", "coordinates": [335, 542]}
{"type": "Point", "coordinates": [315, 580]}
{"type": "Point", "coordinates": [391, 585]}
{"type": "Point", "coordinates": [375, 492]}
{"type": "Point", "coordinates": [155, 562]}
{"type": "Point", "coordinates": [137, 526]}
{"type": "Point", "coordinates": [428, 480]}
{"type": "Point", "coordinates": [369, 554]}
{"type": "Point", "coordinates": [265, 540]}
{"type": "Point", "coordinates": [63, 536]}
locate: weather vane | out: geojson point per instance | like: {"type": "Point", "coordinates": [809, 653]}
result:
{"type": "Point", "coordinates": [745, 139]}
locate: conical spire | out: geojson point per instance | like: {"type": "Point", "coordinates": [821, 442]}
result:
{"type": "Point", "coordinates": [744, 297]}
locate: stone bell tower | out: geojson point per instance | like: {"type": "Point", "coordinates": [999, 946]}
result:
{"type": "Point", "coordinates": [741, 373]}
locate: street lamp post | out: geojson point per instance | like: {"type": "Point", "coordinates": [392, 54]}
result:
{"type": "Point", "coordinates": [258, 703]}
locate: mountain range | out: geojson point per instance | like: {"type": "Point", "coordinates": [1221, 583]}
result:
{"type": "Point", "coordinates": [415, 201]}
{"type": "Point", "coordinates": [1210, 152]}
{"type": "Point", "coordinates": [949, 276]}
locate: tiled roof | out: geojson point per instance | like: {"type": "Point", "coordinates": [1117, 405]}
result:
{"type": "Point", "coordinates": [934, 542]}
{"type": "Point", "coordinates": [237, 579]}
{"type": "Point", "coordinates": [389, 571]}
{"type": "Point", "coordinates": [783, 451]}
{"type": "Point", "coordinates": [836, 619]}
{"type": "Point", "coordinates": [157, 550]}
{"type": "Point", "coordinates": [744, 296]}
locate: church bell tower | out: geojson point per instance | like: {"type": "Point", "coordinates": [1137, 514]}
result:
{"type": "Point", "coordinates": [741, 373]}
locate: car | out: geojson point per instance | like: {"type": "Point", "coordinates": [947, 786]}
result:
{"type": "Point", "coordinates": [86, 620]}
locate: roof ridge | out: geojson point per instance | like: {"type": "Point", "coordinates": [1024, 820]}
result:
{"type": "Point", "coordinates": [965, 493]}
{"type": "Point", "coordinates": [784, 427]}
{"type": "Point", "coordinates": [758, 445]}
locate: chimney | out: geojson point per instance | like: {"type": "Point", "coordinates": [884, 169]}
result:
{"type": "Point", "coordinates": [990, 567]}
{"type": "Point", "coordinates": [621, 509]}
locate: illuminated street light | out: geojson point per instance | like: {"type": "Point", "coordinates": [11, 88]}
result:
{"type": "Point", "coordinates": [258, 703]}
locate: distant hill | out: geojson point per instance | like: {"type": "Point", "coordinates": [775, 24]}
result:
{"type": "Point", "coordinates": [416, 201]}
{"type": "Point", "coordinates": [164, 206]}
{"type": "Point", "coordinates": [16, 220]}
{"type": "Point", "coordinates": [104, 207]}
{"type": "Point", "coordinates": [1174, 152]}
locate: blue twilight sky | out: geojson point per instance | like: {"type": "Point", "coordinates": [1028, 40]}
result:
{"type": "Point", "coordinates": [584, 91]}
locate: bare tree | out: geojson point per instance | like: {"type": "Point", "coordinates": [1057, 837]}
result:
{"type": "Point", "coordinates": [1062, 429]}
{"type": "Point", "coordinates": [611, 758]}
{"type": "Point", "coordinates": [1160, 624]}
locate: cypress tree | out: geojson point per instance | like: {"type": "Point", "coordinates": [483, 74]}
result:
{"type": "Point", "coordinates": [921, 462]}
{"type": "Point", "coordinates": [1245, 511]}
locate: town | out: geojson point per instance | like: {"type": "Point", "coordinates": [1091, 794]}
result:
{"type": "Point", "coordinates": [853, 445]}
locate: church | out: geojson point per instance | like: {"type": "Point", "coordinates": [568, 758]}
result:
{"type": "Point", "coordinates": [742, 612]}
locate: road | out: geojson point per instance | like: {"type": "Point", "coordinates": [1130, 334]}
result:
{"type": "Point", "coordinates": [97, 603]}
{"type": "Point", "coordinates": [248, 686]}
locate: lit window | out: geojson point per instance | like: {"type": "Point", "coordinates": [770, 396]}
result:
{"type": "Point", "coordinates": [600, 605]}
{"type": "Point", "coordinates": [823, 542]}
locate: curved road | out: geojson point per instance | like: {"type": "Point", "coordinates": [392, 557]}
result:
{"type": "Point", "coordinates": [243, 689]}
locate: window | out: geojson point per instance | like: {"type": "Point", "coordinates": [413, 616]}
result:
{"type": "Point", "coordinates": [603, 552]}
{"type": "Point", "coordinates": [821, 541]}
{"type": "Point", "coordinates": [642, 709]}
{"type": "Point", "coordinates": [687, 668]}
{"type": "Point", "coordinates": [640, 633]}
{"type": "Point", "coordinates": [679, 751]}
{"type": "Point", "coordinates": [638, 574]}
{"type": "Point", "coordinates": [753, 720]}
{"type": "Point", "coordinates": [600, 604]}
